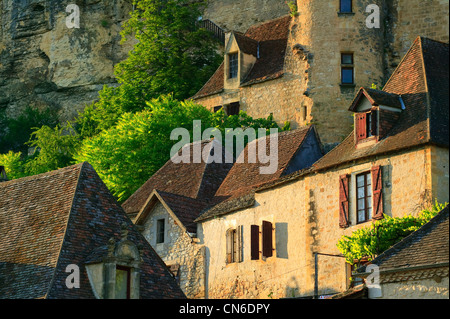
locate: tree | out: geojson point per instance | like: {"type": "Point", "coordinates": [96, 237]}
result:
{"type": "Point", "coordinates": [370, 241]}
{"type": "Point", "coordinates": [131, 151]}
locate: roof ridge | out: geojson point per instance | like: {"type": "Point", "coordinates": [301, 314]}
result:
{"type": "Point", "coordinates": [82, 165]}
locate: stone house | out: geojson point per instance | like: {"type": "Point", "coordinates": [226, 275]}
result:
{"type": "Point", "coordinates": [164, 209]}
{"type": "Point", "coordinates": [307, 68]}
{"type": "Point", "coordinates": [395, 162]}
{"type": "Point", "coordinates": [64, 236]}
{"type": "Point", "coordinates": [417, 266]}
{"type": "Point", "coordinates": [168, 204]}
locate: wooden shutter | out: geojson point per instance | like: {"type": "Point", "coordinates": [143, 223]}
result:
{"type": "Point", "coordinates": [239, 244]}
{"type": "Point", "coordinates": [344, 182]}
{"type": "Point", "coordinates": [254, 238]}
{"type": "Point", "coordinates": [267, 238]}
{"type": "Point", "coordinates": [360, 126]}
{"type": "Point", "coordinates": [229, 239]}
{"type": "Point", "coordinates": [377, 190]}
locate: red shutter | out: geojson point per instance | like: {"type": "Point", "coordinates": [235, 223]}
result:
{"type": "Point", "coordinates": [377, 189]}
{"type": "Point", "coordinates": [344, 182]}
{"type": "Point", "coordinates": [254, 239]}
{"type": "Point", "coordinates": [360, 124]}
{"type": "Point", "coordinates": [267, 249]}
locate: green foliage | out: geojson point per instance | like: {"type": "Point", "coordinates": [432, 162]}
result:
{"type": "Point", "coordinates": [14, 164]}
{"type": "Point", "coordinates": [370, 241]}
{"type": "Point", "coordinates": [293, 9]}
{"type": "Point", "coordinates": [54, 149]}
{"type": "Point", "coordinates": [126, 154]}
{"type": "Point", "coordinates": [14, 133]}
{"type": "Point", "coordinates": [173, 55]}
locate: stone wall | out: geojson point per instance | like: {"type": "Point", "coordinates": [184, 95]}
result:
{"type": "Point", "coordinates": [178, 249]}
{"type": "Point", "coordinates": [408, 19]}
{"type": "Point", "coordinates": [45, 64]}
{"type": "Point", "coordinates": [305, 215]}
{"type": "Point", "coordinates": [417, 289]}
{"type": "Point", "coordinates": [232, 15]}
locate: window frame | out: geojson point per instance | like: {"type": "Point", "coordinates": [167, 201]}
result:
{"type": "Point", "coordinates": [340, 6]}
{"type": "Point", "coordinates": [233, 65]}
{"type": "Point", "coordinates": [160, 222]}
{"type": "Point", "coordinates": [128, 271]}
{"type": "Point", "coordinates": [348, 66]}
{"type": "Point", "coordinates": [368, 197]}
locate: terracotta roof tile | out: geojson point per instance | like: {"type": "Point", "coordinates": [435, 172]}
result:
{"type": "Point", "coordinates": [272, 37]}
{"type": "Point", "coordinates": [194, 180]}
{"type": "Point", "coordinates": [421, 80]}
{"type": "Point", "coordinates": [428, 246]}
{"type": "Point", "coordinates": [51, 220]}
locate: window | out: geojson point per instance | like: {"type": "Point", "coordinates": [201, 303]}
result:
{"type": "Point", "coordinates": [217, 108]}
{"type": "Point", "coordinates": [347, 71]}
{"type": "Point", "coordinates": [354, 281]}
{"type": "Point", "coordinates": [364, 197]}
{"type": "Point", "coordinates": [345, 6]}
{"type": "Point", "coordinates": [233, 109]}
{"type": "Point", "coordinates": [160, 228]}
{"type": "Point", "coordinates": [233, 65]}
{"type": "Point", "coordinates": [123, 282]}
{"type": "Point", "coordinates": [366, 125]}
{"type": "Point", "coordinates": [234, 248]}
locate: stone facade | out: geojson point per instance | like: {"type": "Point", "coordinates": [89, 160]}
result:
{"type": "Point", "coordinates": [311, 90]}
{"type": "Point", "coordinates": [305, 215]}
{"type": "Point", "coordinates": [232, 15]}
{"type": "Point", "coordinates": [179, 251]}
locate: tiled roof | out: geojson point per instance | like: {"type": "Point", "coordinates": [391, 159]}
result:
{"type": "Point", "coordinates": [427, 247]}
{"type": "Point", "coordinates": [236, 191]}
{"type": "Point", "coordinates": [194, 180]}
{"type": "Point", "coordinates": [272, 37]}
{"type": "Point", "coordinates": [51, 220]}
{"type": "Point", "coordinates": [421, 79]}
{"type": "Point", "coordinates": [186, 209]}
{"type": "Point", "coordinates": [377, 97]}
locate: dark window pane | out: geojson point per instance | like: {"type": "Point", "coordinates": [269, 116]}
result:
{"type": "Point", "coordinates": [160, 231]}
{"type": "Point", "coordinates": [233, 65]}
{"type": "Point", "coordinates": [347, 58]}
{"type": "Point", "coordinates": [346, 5]}
{"type": "Point", "coordinates": [347, 75]}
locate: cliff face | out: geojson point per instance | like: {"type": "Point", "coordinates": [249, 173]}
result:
{"type": "Point", "coordinates": [43, 63]}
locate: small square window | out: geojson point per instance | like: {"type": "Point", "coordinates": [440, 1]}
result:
{"type": "Point", "coordinates": [233, 109]}
{"type": "Point", "coordinates": [233, 65]}
{"type": "Point", "coordinates": [345, 6]}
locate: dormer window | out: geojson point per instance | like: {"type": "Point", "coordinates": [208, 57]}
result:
{"type": "Point", "coordinates": [376, 113]}
{"type": "Point", "coordinates": [233, 59]}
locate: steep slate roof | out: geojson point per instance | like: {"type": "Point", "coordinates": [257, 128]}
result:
{"type": "Point", "coordinates": [421, 80]}
{"type": "Point", "coordinates": [426, 247]}
{"type": "Point", "coordinates": [51, 220]}
{"type": "Point", "coordinates": [197, 181]}
{"type": "Point", "coordinates": [272, 37]}
{"type": "Point", "coordinates": [237, 190]}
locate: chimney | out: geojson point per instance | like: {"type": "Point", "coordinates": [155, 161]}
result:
{"type": "Point", "coordinates": [3, 177]}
